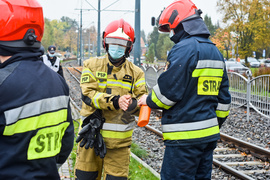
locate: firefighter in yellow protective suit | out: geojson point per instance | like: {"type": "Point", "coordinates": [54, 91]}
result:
{"type": "Point", "coordinates": [110, 87]}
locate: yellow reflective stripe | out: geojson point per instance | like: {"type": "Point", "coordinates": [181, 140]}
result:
{"type": "Point", "coordinates": [116, 134]}
{"type": "Point", "coordinates": [96, 103]}
{"type": "Point", "coordinates": [140, 82]}
{"type": "Point", "coordinates": [87, 71]}
{"type": "Point", "coordinates": [207, 72]}
{"type": "Point", "coordinates": [47, 142]}
{"type": "Point", "coordinates": [191, 134]}
{"type": "Point", "coordinates": [36, 122]}
{"type": "Point", "coordinates": [102, 85]}
{"type": "Point", "coordinates": [222, 114]}
{"type": "Point", "coordinates": [158, 102]}
{"type": "Point", "coordinates": [119, 83]}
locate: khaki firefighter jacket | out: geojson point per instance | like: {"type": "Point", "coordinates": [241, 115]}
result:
{"type": "Point", "coordinates": [101, 81]}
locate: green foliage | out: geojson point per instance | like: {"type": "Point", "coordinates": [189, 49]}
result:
{"type": "Point", "coordinates": [164, 44]}
{"type": "Point", "coordinates": [249, 20]}
{"type": "Point", "coordinates": [135, 149]}
{"type": "Point", "coordinates": [138, 172]}
{"type": "Point", "coordinates": [212, 28]}
{"type": "Point", "coordinates": [150, 57]}
{"type": "Point", "coordinates": [62, 33]}
{"type": "Point", "coordinates": [74, 150]}
{"type": "Point", "coordinates": [47, 39]}
{"type": "Point", "coordinates": [154, 37]}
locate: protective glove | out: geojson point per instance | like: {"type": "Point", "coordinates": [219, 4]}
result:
{"type": "Point", "coordinates": [100, 147]}
{"type": "Point", "coordinates": [90, 134]}
{"type": "Point", "coordinates": [87, 135]}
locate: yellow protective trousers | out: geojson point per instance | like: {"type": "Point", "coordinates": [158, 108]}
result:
{"type": "Point", "coordinates": [115, 164]}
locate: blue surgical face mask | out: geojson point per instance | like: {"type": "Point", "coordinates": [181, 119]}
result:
{"type": "Point", "coordinates": [171, 33]}
{"type": "Point", "coordinates": [116, 51]}
{"type": "Point", "coordinates": [51, 55]}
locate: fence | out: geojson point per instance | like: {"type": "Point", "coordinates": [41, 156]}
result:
{"type": "Point", "coordinates": [246, 92]}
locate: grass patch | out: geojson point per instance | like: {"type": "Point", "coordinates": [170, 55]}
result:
{"type": "Point", "coordinates": [141, 153]}
{"type": "Point", "coordinates": [73, 153]}
{"type": "Point", "coordinates": [138, 172]}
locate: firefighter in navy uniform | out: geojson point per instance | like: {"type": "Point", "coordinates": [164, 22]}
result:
{"type": "Point", "coordinates": [110, 84]}
{"type": "Point", "coordinates": [193, 93]}
{"type": "Point", "coordinates": [52, 61]}
{"type": "Point", "coordinates": [36, 129]}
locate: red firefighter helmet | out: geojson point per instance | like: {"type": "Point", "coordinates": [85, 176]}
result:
{"type": "Point", "coordinates": [119, 32]}
{"type": "Point", "coordinates": [175, 13]}
{"type": "Point", "coordinates": [22, 23]}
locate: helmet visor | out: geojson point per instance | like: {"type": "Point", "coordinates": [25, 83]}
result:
{"type": "Point", "coordinates": [164, 28]}
{"type": "Point", "coordinates": [121, 42]}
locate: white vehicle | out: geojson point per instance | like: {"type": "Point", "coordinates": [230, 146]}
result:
{"type": "Point", "coordinates": [253, 62]}
{"type": "Point", "coordinates": [233, 66]}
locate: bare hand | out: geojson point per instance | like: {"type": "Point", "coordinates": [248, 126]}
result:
{"type": "Point", "coordinates": [142, 100]}
{"type": "Point", "coordinates": [124, 101]}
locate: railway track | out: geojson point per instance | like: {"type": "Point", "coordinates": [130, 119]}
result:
{"type": "Point", "coordinates": [241, 159]}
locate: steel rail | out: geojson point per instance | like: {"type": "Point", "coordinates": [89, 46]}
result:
{"type": "Point", "coordinates": [252, 147]}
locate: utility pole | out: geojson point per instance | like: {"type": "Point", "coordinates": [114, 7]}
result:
{"type": "Point", "coordinates": [137, 44]}
{"type": "Point", "coordinates": [89, 45]}
{"type": "Point", "coordinates": [81, 53]}
{"type": "Point", "coordinates": [98, 33]}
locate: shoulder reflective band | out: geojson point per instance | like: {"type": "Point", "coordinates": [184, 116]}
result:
{"type": "Point", "coordinates": [160, 100]}
{"type": "Point", "coordinates": [36, 108]}
{"type": "Point", "coordinates": [116, 134]}
{"type": "Point", "coordinates": [214, 64]}
{"type": "Point", "coordinates": [36, 122]}
{"type": "Point", "coordinates": [193, 130]}
{"type": "Point", "coordinates": [119, 127]}
{"type": "Point", "coordinates": [223, 110]}
{"type": "Point", "coordinates": [207, 72]}
{"type": "Point", "coordinates": [87, 72]}
{"type": "Point", "coordinates": [47, 142]}
{"type": "Point", "coordinates": [209, 68]}
{"type": "Point", "coordinates": [140, 82]}
{"type": "Point", "coordinates": [209, 85]}
{"type": "Point", "coordinates": [95, 100]}
{"type": "Point", "coordinates": [119, 83]}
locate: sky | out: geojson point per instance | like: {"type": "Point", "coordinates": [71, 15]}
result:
{"type": "Point", "coordinates": [55, 9]}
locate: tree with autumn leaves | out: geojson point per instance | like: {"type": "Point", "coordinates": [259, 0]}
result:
{"type": "Point", "coordinates": [247, 27]}
{"type": "Point", "coordinates": [64, 35]}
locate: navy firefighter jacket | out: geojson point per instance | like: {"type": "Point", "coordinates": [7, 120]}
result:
{"type": "Point", "coordinates": [36, 129]}
{"type": "Point", "coordinates": [193, 92]}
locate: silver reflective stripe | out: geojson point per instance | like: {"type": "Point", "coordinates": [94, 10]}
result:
{"type": "Point", "coordinates": [102, 85]}
{"type": "Point", "coordinates": [214, 64]}
{"type": "Point", "coordinates": [119, 83]}
{"type": "Point", "coordinates": [96, 100]}
{"type": "Point", "coordinates": [87, 71]}
{"type": "Point", "coordinates": [119, 127]}
{"type": "Point", "coordinates": [162, 98]}
{"type": "Point", "coordinates": [140, 82]}
{"type": "Point", "coordinates": [36, 108]}
{"type": "Point", "coordinates": [190, 126]}
{"type": "Point", "coordinates": [223, 107]}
